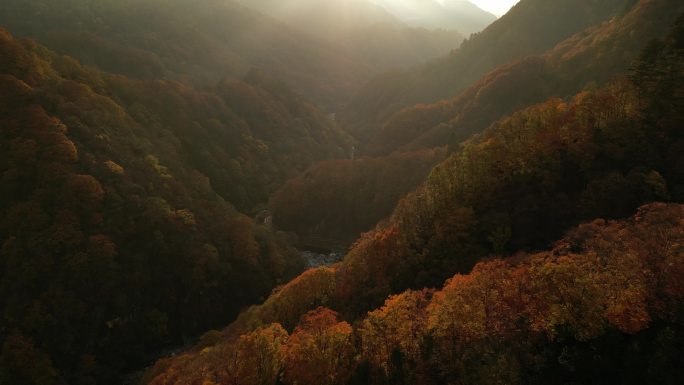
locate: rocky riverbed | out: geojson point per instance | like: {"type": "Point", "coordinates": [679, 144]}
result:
{"type": "Point", "coordinates": [316, 259]}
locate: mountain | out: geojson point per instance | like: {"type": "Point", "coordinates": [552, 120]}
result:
{"type": "Point", "coordinates": [363, 28]}
{"type": "Point", "coordinates": [602, 306]}
{"type": "Point", "coordinates": [337, 200]}
{"type": "Point", "coordinates": [588, 57]}
{"type": "Point", "coordinates": [197, 41]}
{"type": "Point", "coordinates": [206, 41]}
{"type": "Point", "coordinates": [459, 15]}
{"type": "Point", "coordinates": [514, 190]}
{"type": "Point", "coordinates": [594, 55]}
{"type": "Point", "coordinates": [327, 18]}
{"type": "Point", "coordinates": [531, 27]}
{"type": "Point", "coordinates": [119, 231]}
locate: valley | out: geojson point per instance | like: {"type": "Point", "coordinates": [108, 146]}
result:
{"type": "Point", "coordinates": [344, 192]}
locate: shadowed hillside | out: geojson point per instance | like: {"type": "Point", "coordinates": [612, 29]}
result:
{"type": "Point", "coordinates": [365, 29]}
{"type": "Point", "coordinates": [458, 15]}
{"type": "Point", "coordinates": [197, 41]}
{"type": "Point", "coordinates": [119, 233]}
{"type": "Point", "coordinates": [589, 57]}
{"type": "Point", "coordinates": [531, 27]}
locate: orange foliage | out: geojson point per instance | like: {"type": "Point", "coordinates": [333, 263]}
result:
{"type": "Point", "coordinates": [399, 326]}
{"type": "Point", "coordinates": [320, 350]}
{"type": "Point", "coordinates": [83, 191]}
{"type": "Point", "coordinates": [312, 288]}
{"type": "Point", "coordinates": [258, 357]}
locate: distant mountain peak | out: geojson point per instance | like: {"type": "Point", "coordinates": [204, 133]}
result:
{"type": "Point", "coordinates": [460, 15]}
{"type": "Point", "coordinates": [465, 6]}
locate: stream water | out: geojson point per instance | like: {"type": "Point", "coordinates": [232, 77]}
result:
{"type": "Point", "coordinates": [319, 258]}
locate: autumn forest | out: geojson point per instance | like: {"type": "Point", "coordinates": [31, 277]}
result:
{"type": "Point", "coordinates": [341, 192]}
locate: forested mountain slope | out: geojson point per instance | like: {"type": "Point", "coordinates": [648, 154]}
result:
{"type": "Point", "coordinates": [517, 188]}
{"type": "Point", "coordinates": [459, 15]}
{"type": "Point", "coordinates": [351, 14]}
{"type": "Point", "coordinates": [198, 41]}
{"type": "Point", "coordinates": [337, 200]}
{"type": "Point", "coordinates": [205, 41]}
{"type": "Point", "coordinates": [590, 57]}
{"type": "Point", "coordinates": [531, 27]}
{"type": "Point", "coordinates": [585, 59]}
{"type": "Point", "coordinates": [119, 235]}
{"type": "Point", "coordinates": [603, 306]}
{"type": "Point", "coordinates": [362, 28]}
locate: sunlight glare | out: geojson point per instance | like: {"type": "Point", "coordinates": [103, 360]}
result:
{"type": "Point", "coordinates": [497, 7]}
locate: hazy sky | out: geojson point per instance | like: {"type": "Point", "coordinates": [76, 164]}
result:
{"type": "Point", "coordinates": [497, 7]}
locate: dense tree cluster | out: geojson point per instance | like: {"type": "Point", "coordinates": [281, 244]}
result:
{"type": "Point", "coordinates": [576, 313]}
{"type": "Point", "coordinates": [526, 180]}
{"type": "Point", "coordinates": [594, 55]}
{"type": "Point", "coordinates": [117, 230]}
{"type": "Point", "coordinates": [530, 28]}
{"type": "Point", "coordinates": [603, 306]}
{"type": "Point", "coordinates": [340, 199]}
{"type": "Point", "coordinates": [522, 183]}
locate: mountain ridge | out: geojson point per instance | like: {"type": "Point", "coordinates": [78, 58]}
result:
{"type": "Point", "coordinates": [362, 28]}
{"type": "Point", "coordinates": [507, 306]}
{"type": "Point", "coordinates": [460, 15]}
{"type": "Point", "coordinates": [531, 27]}
{"type": "Point", "coordinates": [118, 208]}
{"type": "Point", "coordinates": [591, 56]}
